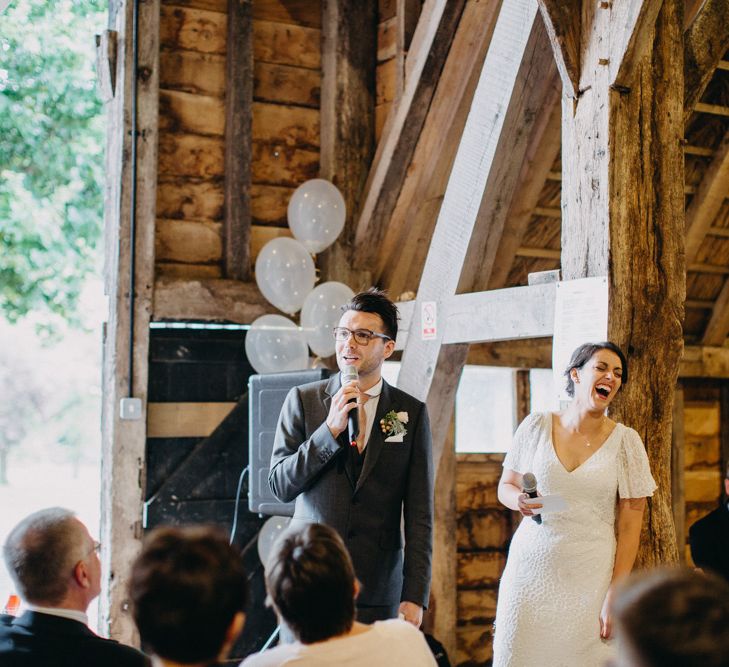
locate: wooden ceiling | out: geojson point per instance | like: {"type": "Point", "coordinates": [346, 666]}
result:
{"type": "Point", "coordinates": [525, 197]}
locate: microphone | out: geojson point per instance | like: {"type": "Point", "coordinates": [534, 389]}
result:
{"type": "Point", "coordinates": [529, 486]}
{"type": "Point", "coordinates": [349, 375]}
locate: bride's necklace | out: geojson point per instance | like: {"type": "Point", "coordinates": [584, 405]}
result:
{"type": "Point", "coordinates": [598, 431]}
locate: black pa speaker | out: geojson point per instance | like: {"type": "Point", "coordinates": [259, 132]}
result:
{"type": "Point", "coordinates": [266, 396]}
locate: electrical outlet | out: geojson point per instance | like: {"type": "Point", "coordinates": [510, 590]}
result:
{"type": "Point", "coordinates": [130, 408]}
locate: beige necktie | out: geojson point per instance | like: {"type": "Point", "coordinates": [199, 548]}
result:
{"type": "Point", "coordinates": [363, 398]}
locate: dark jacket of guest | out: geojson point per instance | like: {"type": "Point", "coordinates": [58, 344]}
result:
{"type": "Point", "coordinates": [709, 538]}
{"type": "Point", "coordinates": [42, 640]}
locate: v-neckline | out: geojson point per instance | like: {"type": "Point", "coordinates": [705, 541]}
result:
{"type": "Point", "coordinates": [594, 451]}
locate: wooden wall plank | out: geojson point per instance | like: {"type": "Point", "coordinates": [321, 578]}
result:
{"type": "Point", "coordinates": [190, 155]}
{"type": "Point", "coordinates": [192, 113]}
{"type": "Point", "coordinates": [184, 241]}
{"type": "Point", "coordinates": [181, 198]}
{"type": "Point", "coordinates": [192, 29]}
{"type": "Point", "coordinates": [212, 300]}
{"type": "Point", "coordinates": [479, 569]}
{"type": "Point", "coordinates": [286, 44]}
{"type": "Point", "coordinates": [193, 72]}
{"type": "Point", "coordinates": [185, 420]}
{"type": "Point", "coordinates": [174, 271]}
{"type": "Point", "coordinates": [287, 125]}
{"type": "Point", "coordinates": [269, 204]}
{"type": "Point", "coordinates": [286, 84]}
{"type": "Point", "coordinates": [274, 164]}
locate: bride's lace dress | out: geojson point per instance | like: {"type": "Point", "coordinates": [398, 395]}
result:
{"type": "Point", "coordinates": [557, 573]}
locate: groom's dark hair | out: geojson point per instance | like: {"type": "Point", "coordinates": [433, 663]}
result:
{"type": "Point", "coordinates": [310, 580]}
{"type": "Point", "coordinates": [377, 302]}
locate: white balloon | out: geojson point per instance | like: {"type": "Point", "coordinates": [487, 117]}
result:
{"type": "Point", "coordinates": [321, 312]}
{"type": "Point", "coordinates": [270, 531]}
{"type": "Point", "coordinates": [316, 214]}
{"type": "Point", "coordinates": [274, 344]}
{"type": "Point", "coordinates": [285, 273]}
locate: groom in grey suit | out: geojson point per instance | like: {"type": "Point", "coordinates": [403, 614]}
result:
{"type": "Point", "coordinates": [378, 494]}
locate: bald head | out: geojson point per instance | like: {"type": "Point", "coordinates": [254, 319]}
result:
{"type": "Point", "coordinates": [41, 554]}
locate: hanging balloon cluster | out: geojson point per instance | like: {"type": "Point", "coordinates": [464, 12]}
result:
{"type": "Point", "coordinates": [285, 274]}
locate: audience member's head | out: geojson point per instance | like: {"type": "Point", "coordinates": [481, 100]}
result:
{"type": "Point", "coordinates": [53, 560]}
{"type": "Point", "coordinates": [673, 618]}
{"type": "Point", "coordinates": [189, 593]}
{"type": "Point", "coordinates": [310, 581]}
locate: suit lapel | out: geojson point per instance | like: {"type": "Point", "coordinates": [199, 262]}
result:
{"type": "Point", "coordinates": [344, 461]}
{"type": "Point", "coordinates": [376, 440]}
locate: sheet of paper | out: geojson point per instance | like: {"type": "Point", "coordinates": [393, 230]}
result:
{"type": "Point", "coordinates": [553, 503]}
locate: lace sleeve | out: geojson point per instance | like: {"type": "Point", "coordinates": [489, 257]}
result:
{"type": "Point", "coordinates": [524, 443]}
{"type": "Point", "coordinates": [634, 473]}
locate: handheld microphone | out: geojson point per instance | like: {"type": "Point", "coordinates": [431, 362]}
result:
{"type": "Point", "coordinates": [349, 375]}
{"type": "Point", "coordinates": [529, 486]}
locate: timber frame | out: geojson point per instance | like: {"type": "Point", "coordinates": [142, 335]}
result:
{"type": "Point", "coordinates": [475, 143]}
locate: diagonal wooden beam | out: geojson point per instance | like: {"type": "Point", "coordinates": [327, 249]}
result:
{"type": "Point", "coordinates": [707, 201]}
{"type": "Point", "coordinates": [563, 20]}
{"type": "Point", "coordinates": [705, 43]}
{"type": "Point", "coordinates": [461, 203]}
{"type": "Point", "coordinates": [430, 45]}
{"type": "Point", "coordinates": [428, 173]}
{"type": "Point", "coordinates": [536, 94]}
{"type": "Point", "coordinates": [717, 328]}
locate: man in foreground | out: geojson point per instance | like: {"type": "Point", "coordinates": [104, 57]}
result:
{"type": "Point", "coordinates": [189, 593]}
{"type": "Point", "coordinates": [56, 569]}
{"type": "Point", "coordinates": [311, 584]}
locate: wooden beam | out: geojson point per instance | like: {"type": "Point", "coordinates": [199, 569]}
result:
{"type": "Point", "coordinates": [123, 441]}
{"type": "Point", "coordinates": [349, 38]}
{"type": "Point", "coordinates": [238, 133]}
{"type": "Point", "coordinates": [431, 42]}
{"type": "Point", "coordinates": [185, 420]}
{"type": "Point", "coordinates": [717, 328]}
{"type": "Point", "coordinates": [705, 43]}
{"type": "Point", "coordinates": [719, 231]}
{"type": "Point", "coordinates": [536, 93]}
{"type": "Point", "coordinates": [413, 217]}
{"type": "Point", "coordinates": [459, 210]}
{"type": "Point", "coordinates": [724, 416]}
{"type": "Point", "coordinates": [539, 253]}
{"type": "Point", "coordinates": [678, 494]}
{"type": "Point", "coordinates": [703, 267]}
{"type": "Point", "coordinates": [624, 180]}
{"type": "Point", "coordinates": [715, 109]}
{"type": "Point", "coordinates": [701, 151]}
{"type": "Point", "coordinates": [522, 395]}
{"type": "Point", "coordinates": [563, 22]}
{"type": "Point", "coordinates": [708, 200]}
{"type": "Point", "coordinates": [541, 154]}
{"type": "Point", "coordinates": [210, 300]}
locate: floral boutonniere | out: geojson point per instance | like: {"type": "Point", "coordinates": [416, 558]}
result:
{"type": "Point", "coordinates": [393, 423]}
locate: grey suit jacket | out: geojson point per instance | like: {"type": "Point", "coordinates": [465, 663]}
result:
{"type": "Point", "coordinates": [308, 464]}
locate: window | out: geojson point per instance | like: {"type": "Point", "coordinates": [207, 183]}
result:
{"type": "Point", "coordinates": [485, 409]}
{"type": "Point", "coordinates": [544, 395]}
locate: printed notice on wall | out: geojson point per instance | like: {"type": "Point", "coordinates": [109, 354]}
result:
{"type": "Point", "coordinates": [429, 320]}
{"type": "Point", "coordinates": [580, 316]}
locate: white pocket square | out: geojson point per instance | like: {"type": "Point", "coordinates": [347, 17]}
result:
{"type": "Point", "coordinates": [395, 438]}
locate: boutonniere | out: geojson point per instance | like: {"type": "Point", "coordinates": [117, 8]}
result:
{"type": "Point", "coordinates": [393, 423]}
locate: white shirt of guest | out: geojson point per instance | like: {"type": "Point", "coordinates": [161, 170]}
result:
{"type": "Point", "coordinates": [71, 614]}
{"type": "Point", "coordinates": [370, 407]}
{"type": "Point", "coordinates": [392, 643]}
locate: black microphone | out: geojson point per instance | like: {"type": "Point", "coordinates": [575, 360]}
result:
{"type": "Point", "coordinates": [349, 375]}
{"type": "Point", "coordinates": [529, 486]}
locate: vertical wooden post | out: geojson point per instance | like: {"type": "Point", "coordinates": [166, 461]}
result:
{"type": "Point", "coordinates": [724, 416]}
{"type": "Point", "coordinates": [238, 106]}
{"type": "Point", "coordinates": [349, 39]}
{"type": "Point", "coordinates": [123, 441]}
{"type": "Point", "coordinates": [623, 181]}
{"type": "Point", "coordinates": [522, 395]}
{"type": "Point", "coordinates": [678, 495]}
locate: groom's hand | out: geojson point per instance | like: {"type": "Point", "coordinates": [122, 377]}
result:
{"type": "Point", "coordinates": [340, 407]}
{"type": "Point", "coordinates": [412, 613]}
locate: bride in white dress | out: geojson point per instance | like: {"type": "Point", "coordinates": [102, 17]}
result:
{"type": "Point", "coordinates": [554, 599]}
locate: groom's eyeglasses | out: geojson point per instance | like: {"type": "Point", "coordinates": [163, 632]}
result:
{"type": "Point", "coordinates": [361, 336]}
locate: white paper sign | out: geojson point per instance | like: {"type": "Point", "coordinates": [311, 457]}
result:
{"type": "Point", "coordinates": [580, 316]}
{"type": "Point", "coordinates": [553, 503]}
{"type": "Point", "coordinates": [428, 319]}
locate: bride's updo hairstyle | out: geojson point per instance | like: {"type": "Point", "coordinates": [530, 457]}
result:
{"type": "Point", "coordinates": [584, 353]}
